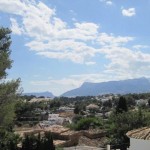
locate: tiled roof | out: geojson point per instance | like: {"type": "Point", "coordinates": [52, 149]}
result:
{"type": "Point", "coordinates": [141, 133]}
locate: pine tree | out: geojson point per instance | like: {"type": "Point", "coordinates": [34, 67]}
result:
{"type": "Point", "coordinates": [49, 145]}
{"type": "Point", "coordinates": [7, 89]}
{"type": "Point", "coordinates": [8, 93]}
{"type": "Point", "coordinates": [122, 105]}
{"type": "Point", "coordinates": [5, 41]}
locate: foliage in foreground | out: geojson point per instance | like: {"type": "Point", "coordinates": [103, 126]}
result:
{"type": "Point", "coordinates": [86, 123]}
{"type": "Point", "coordinates": [118, 125]}
{"type": "Point", "coordinates": [8, 94]}
{"type": "Point", "coordinates": [8, 140]}
{"type": "Point", "coordinates": [38, 143]}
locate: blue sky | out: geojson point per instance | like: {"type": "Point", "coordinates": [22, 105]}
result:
{"type": "Point", "coordinates": [59, 44]}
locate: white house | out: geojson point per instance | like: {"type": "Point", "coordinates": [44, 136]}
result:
{"type": "Point", "coordinates": [66, 109]}
{"type": "Point", "coordinates": [92, 106]}
{"type": "Point", "coordinates": [55, 119]}
{"type": "Point", "coordinates": [141, 102]}
{"type": "Point", "coordinates": [139, 139]}
{"type": "Point", "coordinates": [52, 116]}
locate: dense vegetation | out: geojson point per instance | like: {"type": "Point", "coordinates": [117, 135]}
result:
{"type": "Point", "coordinates": [87, 123]}
{"type": "Point", "coordinates": [125, 116]}
{"type": "Point", "coordinates": [8, 93]}
{"type": "Point", "coordinates": [38, 143]}
{"type": "Point", "coordinates": [11, 105]}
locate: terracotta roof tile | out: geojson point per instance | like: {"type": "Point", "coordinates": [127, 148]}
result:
{"type": "Point", "coordinates": [141, 133]}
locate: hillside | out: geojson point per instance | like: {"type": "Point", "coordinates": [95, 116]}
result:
{"type": "Point", "coordinates": [139, 85]}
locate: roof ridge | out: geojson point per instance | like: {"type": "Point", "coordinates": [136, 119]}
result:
{"type": "Point", "coordinates": [137, 133]}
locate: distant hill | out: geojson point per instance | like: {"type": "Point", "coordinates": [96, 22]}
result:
{"type": "Point", "coordinates": [38, 94]}
{"type": "Point", "coordinates": [139, 85]}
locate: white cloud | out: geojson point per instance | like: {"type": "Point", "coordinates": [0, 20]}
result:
{"type": "Point", "coordinates": [15, 27]}
{"type": "Point", "coordinates": [125, 62]}
{"type": "Point", "coordinates": [107, 2]}
{"type": "Point", "coordinates": [51, 36]}
{"type": "Point", "coordinates": [15, 6]}
{"type": "Point", "coordinates": [107, 40]}
{"type": "Point", "coordinates": [129, 12]}
{"type": "Point", "coordinates": [90, 63]}
{"type": "Point", "coordinates": [140, 46]}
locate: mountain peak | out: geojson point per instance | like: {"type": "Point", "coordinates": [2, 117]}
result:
{"type": "Point", "coordinates": [138, 85]}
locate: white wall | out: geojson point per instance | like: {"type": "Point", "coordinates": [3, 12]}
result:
{"type": "Point", "coordinates": [138, 144]}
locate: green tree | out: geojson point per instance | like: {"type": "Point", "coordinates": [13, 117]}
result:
{"type": "Point", "coordinates": [29, 143]}
{"type": "Point", "coordinates": [149, 102]}
{"type": "Point", "coordinates": [7, 89]}
{"type": "Point", "coordinates": [38, 143]}
{"type": "Point", "coordinates": [107, 103]}
{"type": "Point", "coordinates": [8, 93]}
{"type": "Point", "coordinates": [122, 105]}
{"type": "Point", "coordinates": [8, 141]}
{"type": "Point", "coordinates": [121, 123]}
{"type": "Point", "coordinates": [86, 123]}
{"type": "Point", "coordinates": [77, 109]}
{"type": "Point", "coordinates": [5, 41]}
{"type": "Point", "coordinates": [48, 141]}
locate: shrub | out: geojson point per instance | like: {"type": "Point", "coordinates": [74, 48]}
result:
{"type": "Point", "coordinates": [86, 123]}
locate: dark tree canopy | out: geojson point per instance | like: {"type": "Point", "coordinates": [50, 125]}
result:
{"type": "Point", "coordinates": [5, 61]}
{"type": "Point", "coordinates": [7, 89]}
{"type": "Point", "coordinates": [8, 94]}
{"type": "Point", "coordinates": [38, 143]}
{"type": "Point", "coordinates": [122, 105]}
{"type": "Point", "coordinates": [77, 109]}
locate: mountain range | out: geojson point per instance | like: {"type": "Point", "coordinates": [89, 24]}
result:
{"type": "Point", "coordinates": [140, 85]}
{"type": "Point", "coordinates": [38, 94]}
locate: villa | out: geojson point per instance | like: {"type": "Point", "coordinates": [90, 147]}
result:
{"type": "Point", "coordinates": [139, 139]}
